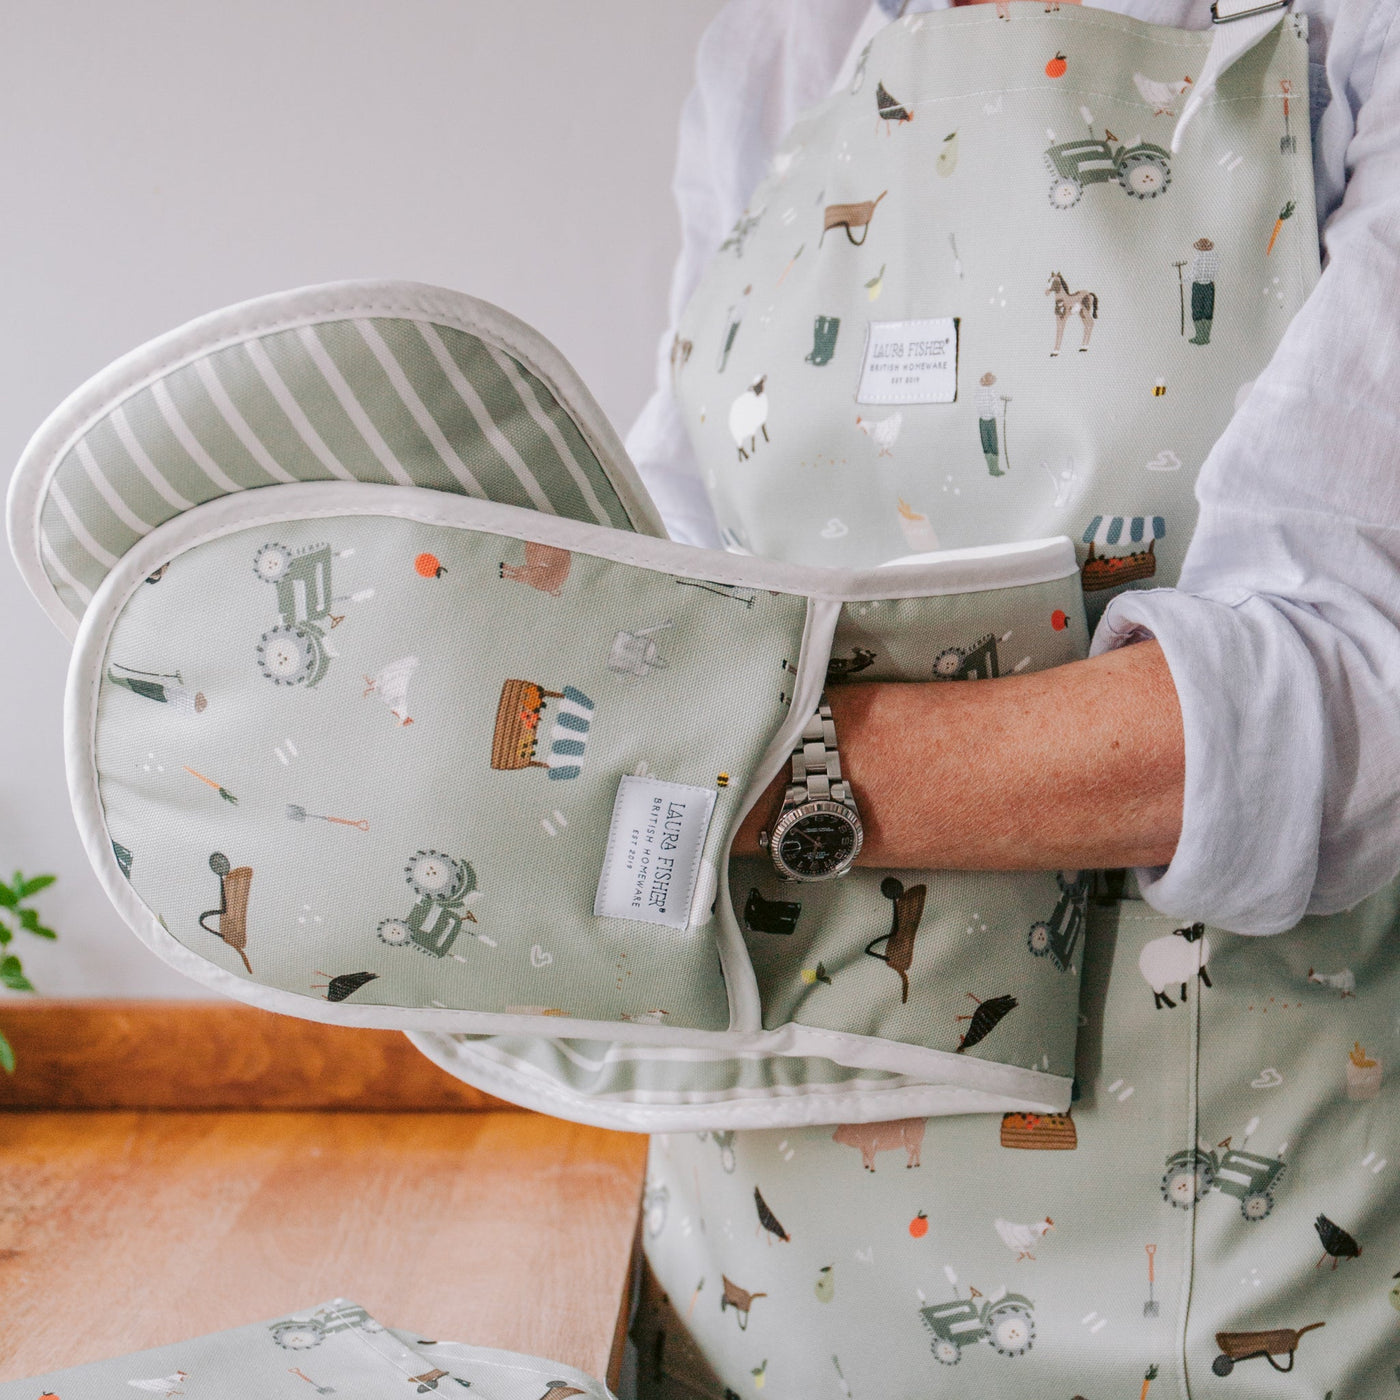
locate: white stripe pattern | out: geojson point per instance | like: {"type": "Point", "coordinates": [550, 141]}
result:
{"type": "Point", "coordinates": [296, 415]}
{"type": "Point", "coordinates": [550, 428]}
{"type": "Point", "coordinates": [144, 465]}
{"type": "Point", "coordinates": [174, 420]}
{"type": "Point", "coordinates": [55, 567]}
{"type": "Point", "coordinates": [391, 367]}
{"type": "Point", "coordinates": [354, 409]}
{"type": "Point", "coordinates": [81, 533]}
{"type": "Point", "coordinates": [108, 492]}
{"type": "Point", "coordinates": [484, 421]}
{"type": "Point", "coordinates": [214, 387]}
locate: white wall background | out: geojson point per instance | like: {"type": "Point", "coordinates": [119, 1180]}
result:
{"type": "Point", "coordinates": [163, 158]}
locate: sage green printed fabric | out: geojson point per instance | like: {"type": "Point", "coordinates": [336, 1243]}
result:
{"type": "Point", "coordinates": [395, 777]}
{"type": "Point", "coordinates": [1214, 1218]}
{"type": "Point", "coordinates": [335, 1349]}
{"type": "Point", "coordinates": [386, 773]}
{"type": "Point", "coordinates": [978, 298]}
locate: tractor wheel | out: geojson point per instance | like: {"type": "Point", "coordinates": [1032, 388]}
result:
{"type": "Point", "coordinates": [1222, 1365]}
{"type": "Point", "coordinates": [1039, 939]}
{"type": "Point", "coordinates": [1065, 192]}
{"type": "Point", "coordinates": [299, 1336]}
{"type": "Point", "coordinates": [289, 655]}
{"type": "Point", "coordinates": [1011, 1331]}
{"type": "Point", "coordinates": [1184, 1185]}
{"type": "Point", "coordinates": [439, 877]}
{"type": "Point", "coordinates": [271, 562]}
{"type": "Point", "coordinates": [394, 932]}
{"type": "Point", "coordinates": [948, 663]}
{"type": "Point", "coordinates": [1145, 177]}
{"type": "Point", "coordinates": [1257, 1205]}
{"type": "Point", "coordinates": [948, 1352]}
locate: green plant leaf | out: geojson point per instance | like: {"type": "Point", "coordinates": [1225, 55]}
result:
{"type": "Point", "coordinates": [29, 918]}
{"type": "Point", "coordinates": [7, 1055]}
{"type": "Point", "coordinates": [12, 975]}
{"type": "Point", "coordinates": [32, 887]}
{"type": "Point", "coordinates": [8, 898]}
{"type": "Point", "coordinates": [40, 931]}
{"type": "Point", "coordinates": [6, 933]}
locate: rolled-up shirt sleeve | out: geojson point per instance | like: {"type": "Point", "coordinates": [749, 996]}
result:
{"type": "Point", "coordinates": [1283, 634]}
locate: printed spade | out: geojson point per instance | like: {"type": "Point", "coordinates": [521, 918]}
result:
{"type": "Point", "coordinates": [320, 1389]}
{"type": "Point", "coordinates": [1287, 143]}
{"type": "Point", "coordinates": [297, 813]}
{"type": "Point", "coordinates": [1151, 1308]}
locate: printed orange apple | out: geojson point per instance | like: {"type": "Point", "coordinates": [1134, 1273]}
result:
{"type": "Point", "coordinates": [918, 1226]}
{"type": "Point", "coordinates": [1059, 619]}
{"type": "Point", "coordinates": [427, 566]}
{"type": "Point", "coordinates": [1056, 67]}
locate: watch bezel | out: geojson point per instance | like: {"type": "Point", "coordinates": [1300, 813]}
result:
{"type": "Point", "coordinates": [816, 807]}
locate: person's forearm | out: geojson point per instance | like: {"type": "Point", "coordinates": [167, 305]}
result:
{"type": "Point", "coordinates": [1081, 766]}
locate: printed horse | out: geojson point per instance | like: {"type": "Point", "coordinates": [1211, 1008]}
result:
{"type": "Point", "coordinates": [1066, 304]}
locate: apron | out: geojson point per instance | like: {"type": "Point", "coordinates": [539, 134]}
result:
{"type": "Point", "coordinates": [1013, 282]}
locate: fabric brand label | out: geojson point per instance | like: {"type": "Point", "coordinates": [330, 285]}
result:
{"type": "Point", "coordinates": [652, 862]}
{"type": "Point", "coordinates": [910, 362]}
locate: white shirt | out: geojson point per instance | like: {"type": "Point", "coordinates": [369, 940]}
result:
{"type": "Point", "coordinates": [1283, 634]}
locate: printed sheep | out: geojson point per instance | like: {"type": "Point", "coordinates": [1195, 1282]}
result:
{"type": "Point", "coordinates": [1177, 958]}
{"type": "Point", "coordinates": [748, 416]}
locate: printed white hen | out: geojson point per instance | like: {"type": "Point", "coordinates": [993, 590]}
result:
{"type": "Point", "coordinates": [883, 434]}
{"type": "Point", "coordinates": [1161, 95]}
{"type": "Point", "coordinates": [163, 1385]}
{"type": "Point", "coordinates": [391, 686]}
{"type": "Point", "coordinates": [1022, 1239]}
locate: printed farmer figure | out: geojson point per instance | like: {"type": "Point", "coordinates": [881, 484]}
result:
{"type": "Point", "coordinates": [986, 401]}
{"type": "Point", "coordinates": [1203, 272]}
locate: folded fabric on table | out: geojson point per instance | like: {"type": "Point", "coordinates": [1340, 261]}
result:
{"type": "Point", "coordinates": [335, 1349]}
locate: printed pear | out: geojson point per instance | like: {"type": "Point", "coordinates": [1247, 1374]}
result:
{"type": "Point", "coordinates": [948, 155]}
{"type": "Point", "coordinates": [825, 1287]}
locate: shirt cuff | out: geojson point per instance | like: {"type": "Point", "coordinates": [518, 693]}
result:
{"type": "Point", "coordinates": [1255, 742]}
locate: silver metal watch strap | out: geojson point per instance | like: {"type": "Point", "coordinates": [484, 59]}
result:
{"type": "Point", "coordinates": [816, 765]}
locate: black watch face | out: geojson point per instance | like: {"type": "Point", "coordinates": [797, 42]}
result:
{"type": "Point", "coordinates": [817, 844]}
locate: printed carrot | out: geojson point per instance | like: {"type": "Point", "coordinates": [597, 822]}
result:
{"type": "Point", "coordinates": [1147, 1381]}
{"type": "Point", "coordinates": [209, 782]}
{"type": "Point", "coordinates": [788, 268]}
{"type": "Point", "coordinates": [1285, 213]}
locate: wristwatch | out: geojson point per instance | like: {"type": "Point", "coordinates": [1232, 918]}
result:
{"type": "Point", "coordinates": [818, 833]}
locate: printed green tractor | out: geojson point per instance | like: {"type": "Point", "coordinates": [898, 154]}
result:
{"type": "Point", "coordinates": [1005, 1321]}
{"type": "Point", "coordinates": [1142, 169]}
{"type": "Point", "coordinates": [1058, 936]}
{"type": "Point", "coordinates": [294, 652]}
{"type": "Point", "coordinates": [442, 885]}
{"type": "Point", "coordinates": [1247, 1176]}
{"type": "Point", "coordinates": [304, 1333]}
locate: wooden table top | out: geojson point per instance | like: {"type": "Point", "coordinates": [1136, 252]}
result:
{"type": "Point", "coordinates": [126, 1229]}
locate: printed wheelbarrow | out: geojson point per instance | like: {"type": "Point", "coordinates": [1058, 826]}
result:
{"type": "Point", "coordinates": [1246, 1346]}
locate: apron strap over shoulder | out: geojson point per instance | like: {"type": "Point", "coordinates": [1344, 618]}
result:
{"type": "Point", "coordinates": [1240, 24]}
